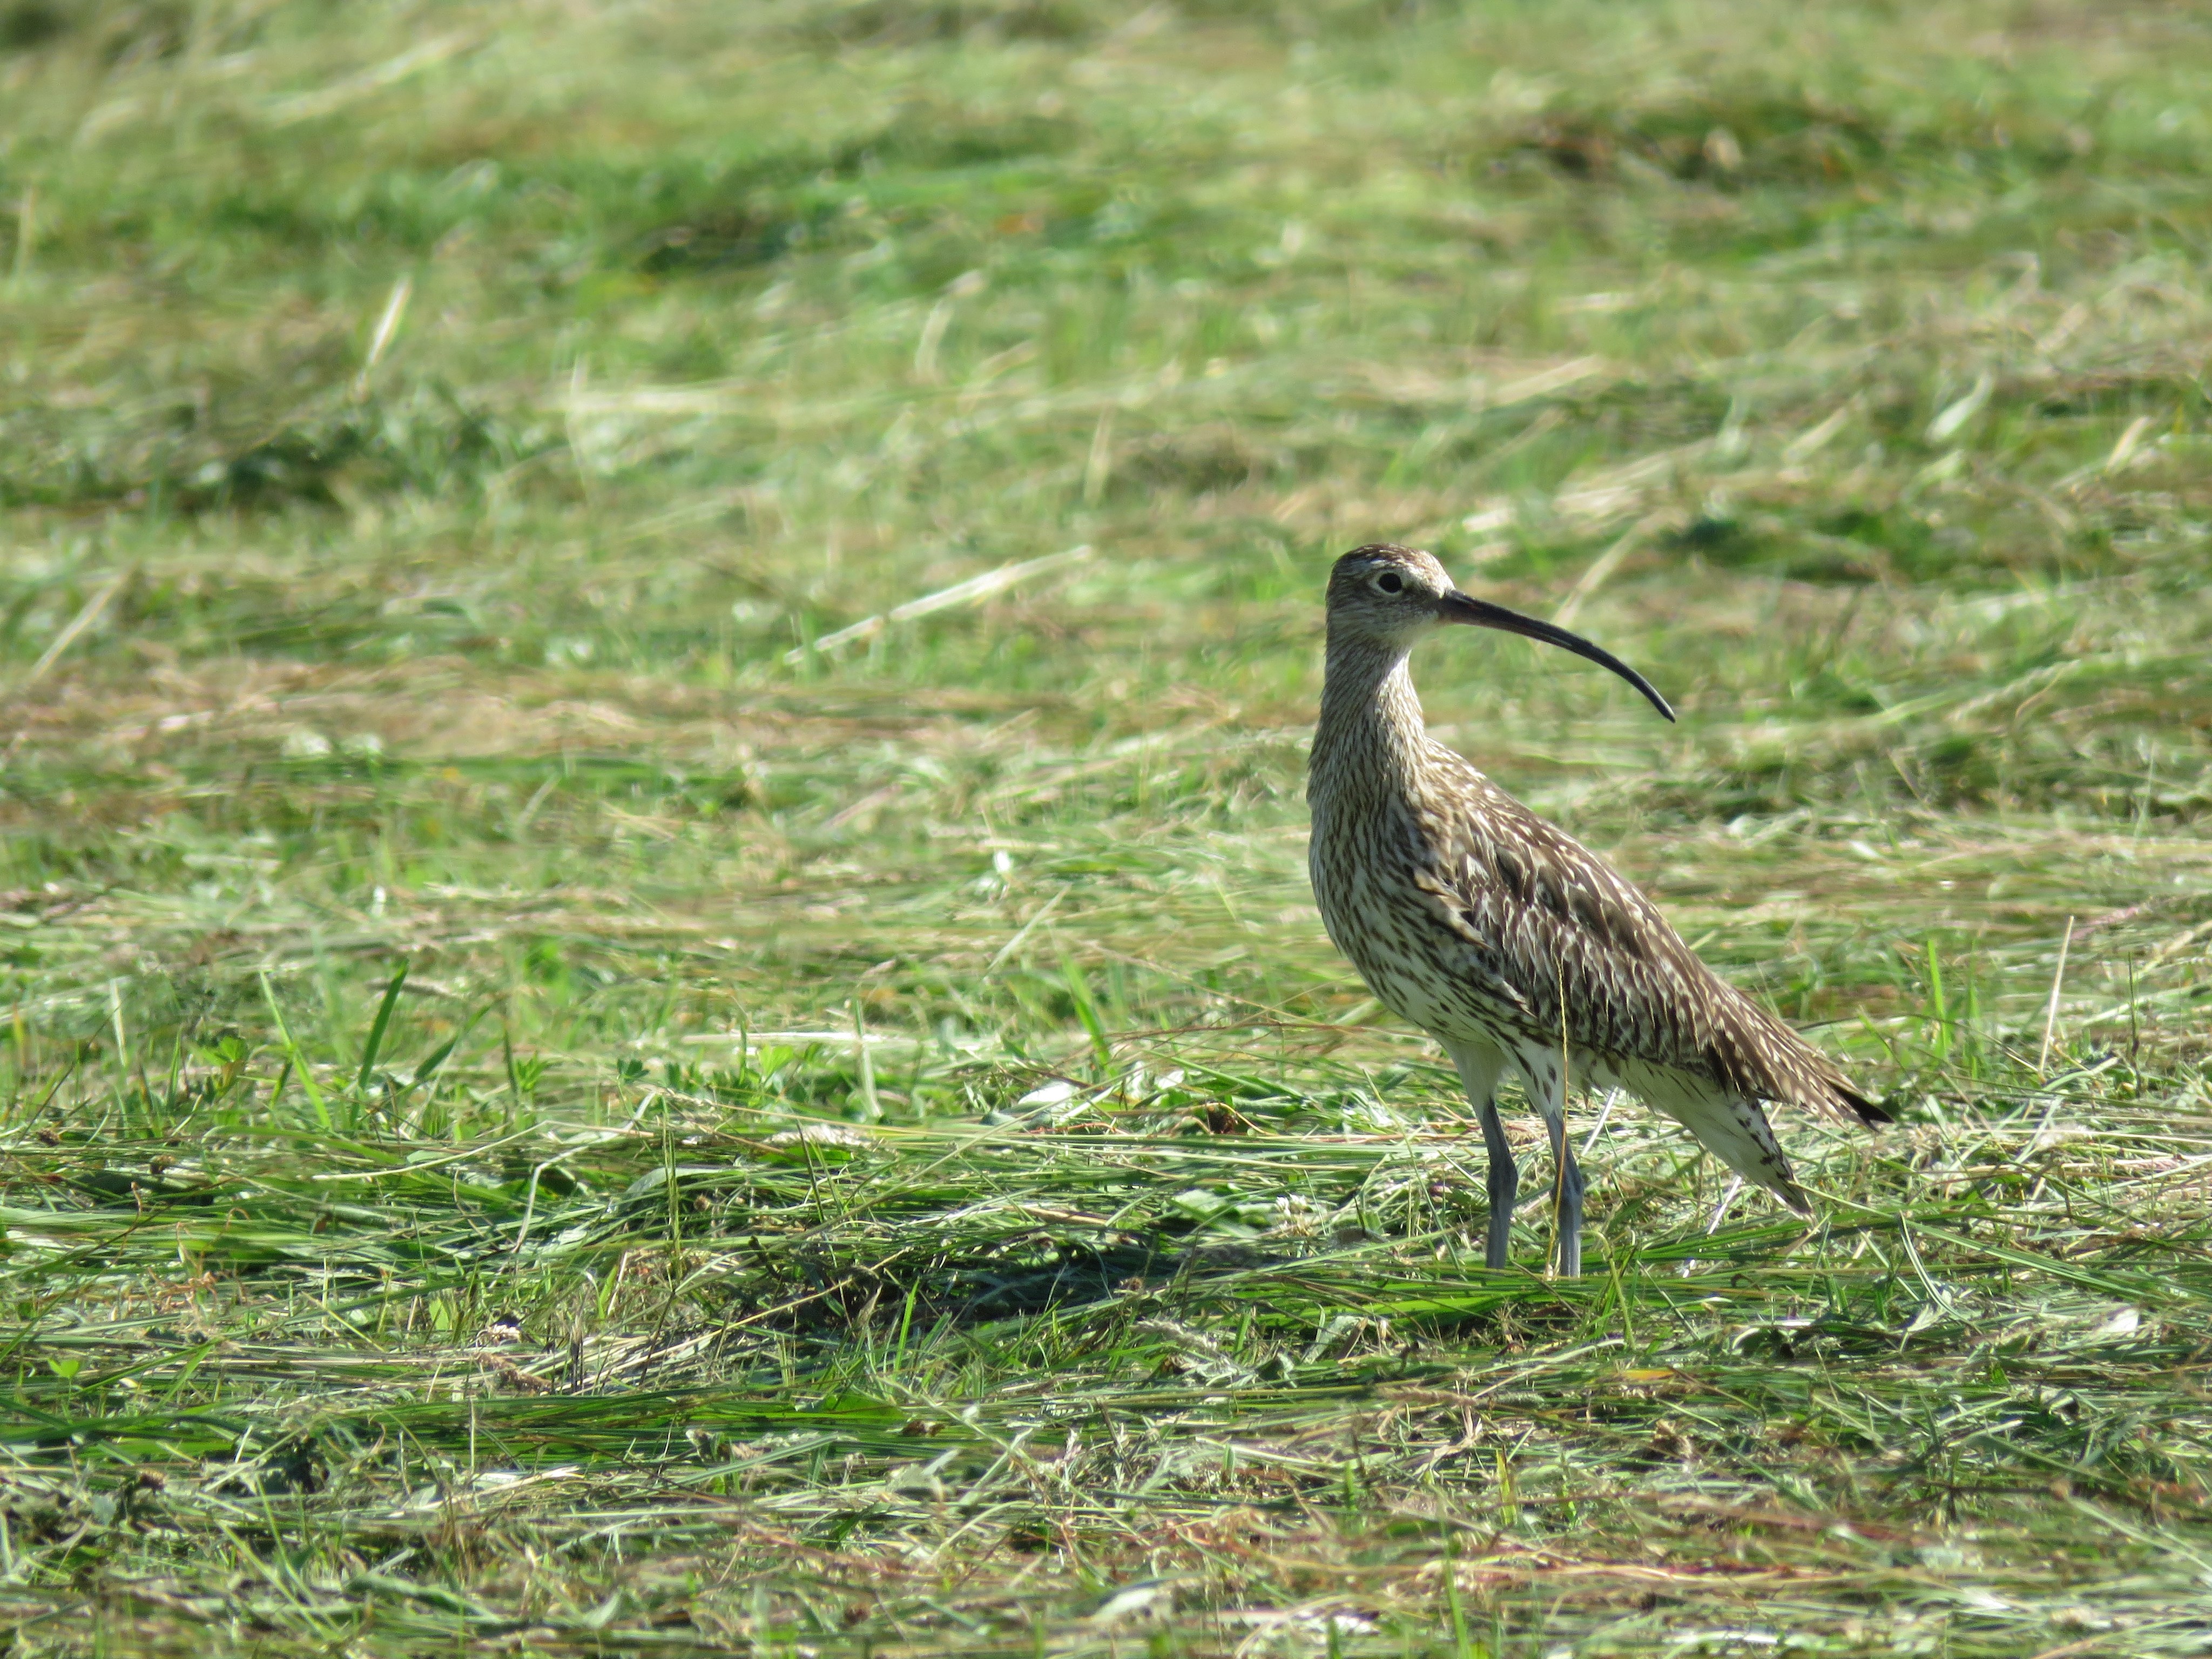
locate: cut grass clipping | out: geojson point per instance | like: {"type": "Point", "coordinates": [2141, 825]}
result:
{"type": "Point", "coordinates": [659, 991]}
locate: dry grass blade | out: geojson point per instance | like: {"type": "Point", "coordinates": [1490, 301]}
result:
{"type": "Point", "coordinates": [971, 591]}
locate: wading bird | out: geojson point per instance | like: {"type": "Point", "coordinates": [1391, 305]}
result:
{"type": "Point", "coordinates": [1506, 939]}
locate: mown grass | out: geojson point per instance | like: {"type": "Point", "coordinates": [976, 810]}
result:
{"type": "Point", "coordinates": [544, 1111]}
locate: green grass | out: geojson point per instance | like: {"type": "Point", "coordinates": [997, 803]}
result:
{"type": "Point", "coordinates": [872, 1152]}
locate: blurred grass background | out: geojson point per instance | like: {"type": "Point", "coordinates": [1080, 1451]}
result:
{"type": "Point", "coordinates": [557, 1098]}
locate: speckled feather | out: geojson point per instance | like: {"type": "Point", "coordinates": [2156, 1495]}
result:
{"type": "Point", "coordinates": [1516, 916]}
{"type": "Point", "coordinates": [1474, 919]}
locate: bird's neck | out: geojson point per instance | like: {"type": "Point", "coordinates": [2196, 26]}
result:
{"type": "Point", "coordinates": [1370, 716]}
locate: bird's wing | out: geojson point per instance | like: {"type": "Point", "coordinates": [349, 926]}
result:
{"type": "Point", "coordinates": [1547, 921]}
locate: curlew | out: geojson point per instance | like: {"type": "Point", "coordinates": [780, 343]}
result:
{"type": "Point", "coordinates": [1506, 939]}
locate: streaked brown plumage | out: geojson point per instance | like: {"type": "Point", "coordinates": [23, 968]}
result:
{"type": "Point", "coordinates": [1504, 938]}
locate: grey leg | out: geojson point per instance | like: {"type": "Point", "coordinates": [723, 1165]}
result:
{"type": "Point", "coordinates": [1566, 1195]}
{"type": "Point", "coordinates": [1547, 1084]}
{"type": "Point", "coordinates": [1481, 1065]}
{"type": "Point", "coordinates": [1505, 1187]}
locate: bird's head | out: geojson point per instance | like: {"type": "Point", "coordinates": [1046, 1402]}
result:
{"type": "Point", "coordinates": [1393, 595]}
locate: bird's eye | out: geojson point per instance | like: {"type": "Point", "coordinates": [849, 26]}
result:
{"type": "Point", "coordinates": [1390, 582]}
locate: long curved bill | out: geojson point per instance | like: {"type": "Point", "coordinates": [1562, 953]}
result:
{"type": "Point", "coordinates": [1481, 613]}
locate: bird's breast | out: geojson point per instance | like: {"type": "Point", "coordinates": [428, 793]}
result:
{"type": "Point", "coordinates": [1373, 881]}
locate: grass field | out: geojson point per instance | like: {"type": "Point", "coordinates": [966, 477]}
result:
{"type": "Point", "coordinates": [583, 1073]}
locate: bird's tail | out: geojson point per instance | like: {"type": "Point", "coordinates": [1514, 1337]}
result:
{"type": "Point", "coordinates": [1729, 1125]}
{"type": "Point", "coordinates": [1747, 1146]}
{"type": "Point", "coordinates": [1868, 1112]}
{"type": "Point", "coordinates": [1757, 1054]}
